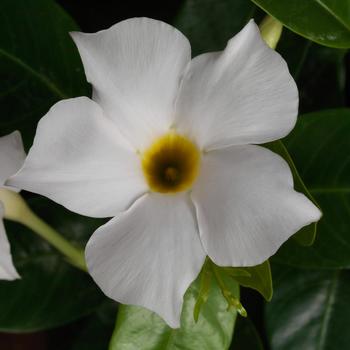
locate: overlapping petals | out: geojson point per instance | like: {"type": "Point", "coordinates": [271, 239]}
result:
{"type": "Point", "coordinates": [85, 157]}
{"type": "Point", "coordinates": [148, 255]}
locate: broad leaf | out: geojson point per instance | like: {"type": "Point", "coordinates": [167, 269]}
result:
{"type": "Point", "coordinates": [246, 336]}
{"type": "Point", "coordinates": [208, 26]}
{"type": "Point", "coordinates": [310, 310]}
{"type": "Point", "coordinates": [319, 72]}
{"type": "Point", "coordinates": [138, 328]}
{"type": "Point", "coordinates": [51, 292]}
{"type": "Point", "coordinates": [39, 63]}
{"type": "Point", "coordinates": [320, 146]}
{"type": "Point", "coordinates": [259, 279]}
{"type": "Point", "coordinates": [326, 22]}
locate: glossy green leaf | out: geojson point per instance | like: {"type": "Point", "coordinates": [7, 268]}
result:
{"type": "Point", "coordinates": [51, 292]}
{"type": "Point", "coordinates": [138, 328]}
{"type": "Point", "coordinates": [326, 22]}
{"type": "Point", "coordinates": [259, 278]}
{"type": "Point", "coordinates": [39, 63]}
{"type": "Point", "coordinates": [319, 71]}
{"type": "Point", "coordinates": [320, 146]}
{"type": "Point", "coordinates": [246, 336]}
{"type": "Point", "coordinates": [209, 26]}
{"type": "Point", "coordinates": [310, 310]}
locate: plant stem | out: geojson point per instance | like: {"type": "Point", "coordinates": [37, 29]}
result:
{"type": "Point", "coordinates": [16, 209]}
{"type": "Point", "coordinates": [271, 31]}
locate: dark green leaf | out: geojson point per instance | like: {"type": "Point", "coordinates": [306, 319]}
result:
{"type": "Point", "coordinates": [39, 64]}
{"type": "Point", "coordinates": [318, 70]}
{"type": "Point", "coordinates": [320, 146]}
{"type": "Point", "coordinates": [259, 279]}
{"type": "Point", "coordinates": [138, 328]}
{"type": "Point", "coordinates": [94, 332]}
{"type": "Point", "coordinates": [326, 22]}
{"type": "Point", "coordinates": [246, 336]}
{"type": "Point", "coordinates": [209, 26]}
{"type": "Point", "coordinates": [310, 310]}
{"type": "Point", "coordinates": [51, 292]}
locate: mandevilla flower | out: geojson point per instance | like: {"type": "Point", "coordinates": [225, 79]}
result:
{"type": "Point", "coordinates": [11, 159]}
{"type": "Point", "coordinates": [166, 147]}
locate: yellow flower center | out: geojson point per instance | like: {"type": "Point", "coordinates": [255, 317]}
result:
{"type": "Point", "coordinates": [171, 163]}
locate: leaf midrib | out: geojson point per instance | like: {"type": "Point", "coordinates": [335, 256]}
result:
{"type": "Point", "coordinates": [42, 78]}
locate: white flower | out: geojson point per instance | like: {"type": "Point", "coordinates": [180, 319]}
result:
{"type": "Point", "coordinates": [166, 147]}
{"type": "Point", "coordinates": [11, 159]}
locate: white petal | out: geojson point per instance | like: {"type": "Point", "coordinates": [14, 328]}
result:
{"type": "Point", "coordinates": [135, 68]}
{"type": "Point", "coordinates": [7, 269]}
{"type": "Point", "coordinates": [77, 161]}
{"type": "Point", "coordinates": [149, 255]}
{"type": "Point", "coordinates": [246, 205]}
{"type": "Point", "coordinates": [12, 155]}
{"type": "Point", "coordinates": [241, 95]}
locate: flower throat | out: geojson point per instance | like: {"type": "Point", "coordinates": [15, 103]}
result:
{"type": "Point", "coordinates": [171, 163]}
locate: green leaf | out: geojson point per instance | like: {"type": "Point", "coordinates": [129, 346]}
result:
{"type": "Point", "coordinates": [325, 65]}
{"type": "Point", "coordinates": [259, 278]}
{"type": "Point", "coordinates": [51, 292]}
{"type": "Point", "coordinates": [310, 310]}
{"type": "Point", "coordinates": [209, 27]}
{"type": "Point", "coordinates": [138, 328]}
{"type": "Point", "coordinates": [320, 146]}
{"type": "Point", "coordinates": [94, 332]}
{"type": "Point", "coordinates": [39, 63]}
{"type": "Point", "coordinates": [326, 22]}
{"type": "Point", "coordinates": [306, 236]}
{"type": "Point", "coordinates": [246, 336]}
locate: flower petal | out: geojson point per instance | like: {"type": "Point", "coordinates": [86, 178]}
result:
{"type": "Point", "coordinates": [135, 68]}
{"type": "Point", "coordinates": [7, 269]}
{"type": "Point", "coordinates": [12, 155]}
{"type": "Point", "coordinates": [241, 95]}
{"type": "Point", "coordinates": [78, 161]}
{"type": "Point", "coordinates": [246, 205]}
{"type": "Point", "coordinates": [149, 255]}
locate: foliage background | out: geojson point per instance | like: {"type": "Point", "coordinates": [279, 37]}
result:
{"type": "Point", "coordinates": [54, 306]}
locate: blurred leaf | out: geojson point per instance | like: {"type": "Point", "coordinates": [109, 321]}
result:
{"type": "Point", "coordinates": [39, 63]}
{"type": "Point", "coordinates": [326, 22]}
{"type": "Point", "coordinates": [94, 333]}
{"type": "Point", "coordinates": [138, 328]}
{"type": "Point", "coordinates": [320, 146]}
{"type": "Point", "coordinates": [259, 279]}
{"type": "Point", "coordinates": [246, 336]}
{"type": "Point", "coordinates": [209, 26]}
{"type": "Point", "coordinates": [51, 292]}
{"type": "Point", "coordinates": [318, 70]}
{"type": "Point", "coordinates": [310, 310]}
{"type": "Point", "coordinates": [306, 236]}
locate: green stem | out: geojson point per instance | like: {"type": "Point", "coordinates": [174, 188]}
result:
{"type": "Point", "coordinates": [74, 255]}
{"type": "Point", "coordinates": [230, 298]}
{"type": "Point", "coordinates": [16, 209]}
{"type": "Point", "coordinates": [271, 31]}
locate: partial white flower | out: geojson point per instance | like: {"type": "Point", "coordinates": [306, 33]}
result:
{"type": "Point", "coordinates": [166, 146]}
{"type": "Point", "coordinates": [11, 159]}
